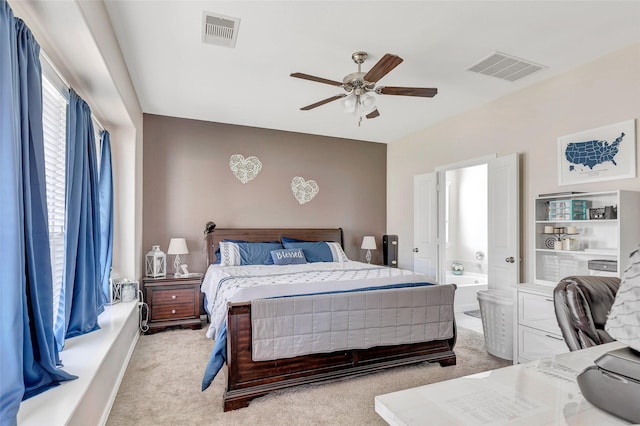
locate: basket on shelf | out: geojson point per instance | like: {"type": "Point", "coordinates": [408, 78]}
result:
{"type": "Point", "coordinates": [567, 210]}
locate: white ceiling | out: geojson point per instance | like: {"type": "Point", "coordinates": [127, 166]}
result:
{"type": "Point", "coordinates": [175, 74]}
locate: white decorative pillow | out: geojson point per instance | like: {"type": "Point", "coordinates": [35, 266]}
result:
{"type": "Point", "coordinates": [229, 254]}
{"type": "Point", "coordinates": [337, 252]}
{"type": "Point", "coordinates": [623, 323]}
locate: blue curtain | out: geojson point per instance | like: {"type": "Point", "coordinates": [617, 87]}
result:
{"type": "Point", "coordinates": [28, 354]}
{"type": "Point", "coordinates": [106, 212]}
{"type": "Point", "coordinates": [81, 296]}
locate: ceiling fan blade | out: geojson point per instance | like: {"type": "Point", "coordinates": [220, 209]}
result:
{"type": "Point", "coordinates": [373, 114]}
{"type": "Point", "coordinates": [322, 102]}
{"type": "Point", "coordinates": [408, 91]}
{"type": "Point", "coordinates": [382, 67]}
{"type": "Point", "coordinates": [317, 79]}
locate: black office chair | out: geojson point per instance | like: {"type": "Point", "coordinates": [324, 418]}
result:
{"type": "Point", "coordinates": [582, 304]}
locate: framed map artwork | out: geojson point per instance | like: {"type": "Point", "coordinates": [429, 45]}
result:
{"type": "Point", "coordinates": [604, 153]}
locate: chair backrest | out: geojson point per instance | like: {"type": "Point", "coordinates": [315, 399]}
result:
{"type": "Point", "coordinates": [582, 304]}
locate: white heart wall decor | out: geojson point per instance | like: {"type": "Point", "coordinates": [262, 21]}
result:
{"type": "Point", "coordinates": [245, 169]}
{"type": "Point", "coordinates": [304, 190]}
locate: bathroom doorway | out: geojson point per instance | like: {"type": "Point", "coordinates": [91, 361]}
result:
{"type": "Point", "coordinates": [466, 232]}
{"type": "Point", "coordinates": [462, 222]}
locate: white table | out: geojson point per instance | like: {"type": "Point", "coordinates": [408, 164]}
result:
{"type": "Point", "coordinates": [543, 392]}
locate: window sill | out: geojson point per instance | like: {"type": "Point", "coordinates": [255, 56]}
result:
{"type": "Point", "coordinates": [99, 359]}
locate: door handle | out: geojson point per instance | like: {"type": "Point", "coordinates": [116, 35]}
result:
{"type": "Point", "coordinates": [510, 259]}
{"type": "Point", "coordinates": [415, 250]}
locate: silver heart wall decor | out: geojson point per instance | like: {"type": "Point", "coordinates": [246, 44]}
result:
{"type": "Point", "coordinates": [304, 190]}
{"type": "Point", "coordinates": [245, 169]}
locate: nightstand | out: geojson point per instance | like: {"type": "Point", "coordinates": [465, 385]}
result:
{"type": "Point", "coordinates": [173, 301]}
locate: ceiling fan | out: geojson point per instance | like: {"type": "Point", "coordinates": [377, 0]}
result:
{"type": "Point", "coordinates": [358, 86]}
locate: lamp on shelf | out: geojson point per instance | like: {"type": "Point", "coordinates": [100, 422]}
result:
{"type": "Point", "coordinates": [177, 246]}
{"type": "Point", "coordinates": [368, 244]}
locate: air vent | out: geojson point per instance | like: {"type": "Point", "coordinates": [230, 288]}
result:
{"type": "Point", "coordinates": [219, 30]}
{"type": "Point", "coordinates": [506, 67]}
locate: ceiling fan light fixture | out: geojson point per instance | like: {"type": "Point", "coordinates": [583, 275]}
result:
{"type": "Point", "coordinates": [359, 105]}
{"type": "Point", "coordinates": [360, 88]}
{"type": "Point", "coordinates": [350, 103]}
{"type": "Point", "coordinates": [367, 103]}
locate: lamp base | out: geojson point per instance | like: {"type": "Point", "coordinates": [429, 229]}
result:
{"type": "Point", "coordinates": [176, 266]}
{"type": "Point", "coordinates": [368, 256]}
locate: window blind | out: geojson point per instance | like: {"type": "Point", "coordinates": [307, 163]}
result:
{"type": "Point", "coordinates": [55, 99]}
{"type": "Point", "coordinates": [54, 117]}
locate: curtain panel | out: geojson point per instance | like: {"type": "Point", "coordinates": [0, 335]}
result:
{"type": "Point", "coordinates": [28, 351]}
{"type": "Point", "coordinates": [81, 296]}
{"type": "Point", "coordinates": [106, 213]}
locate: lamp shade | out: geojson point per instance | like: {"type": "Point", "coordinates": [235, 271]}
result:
{"type": "Point", "coordinates": [368, 243]}
{"type": "Point", "coordinates": [178, 246]}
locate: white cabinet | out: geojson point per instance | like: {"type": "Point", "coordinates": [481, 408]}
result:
{"type": "Point", "coordinates": [537, 331]}
{"type": "Point", "coordinates": [602, 228]}
{"type": "Point", "coordinates": [583, 238]}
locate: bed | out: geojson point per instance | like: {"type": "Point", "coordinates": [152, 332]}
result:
{"type": "Point", "coordinates": [239, 340]}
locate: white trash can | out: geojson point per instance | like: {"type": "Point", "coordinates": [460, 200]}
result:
{"type": "Point", "coordinates": [496, 309]}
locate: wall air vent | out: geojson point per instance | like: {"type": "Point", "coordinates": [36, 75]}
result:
{"type": "Point", "coordinates": [506, 67]}
{"type": "Point", "coordinates": [219, 30]}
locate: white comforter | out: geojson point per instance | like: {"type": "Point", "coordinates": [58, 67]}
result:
{"type": "Point", "coordinates": [223, 284]}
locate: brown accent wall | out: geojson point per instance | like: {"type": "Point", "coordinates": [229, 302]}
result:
{"type": "Point", "coordinates": [187, 182]}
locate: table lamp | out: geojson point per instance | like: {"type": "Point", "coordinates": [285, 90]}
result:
{"type": "Point", "coordinates": [368, 243]}
{"type": "Point", "coordinates": [177, 246]}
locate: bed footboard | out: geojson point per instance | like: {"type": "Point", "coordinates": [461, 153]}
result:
{"type": "Point", "coordinates": [248, 379]}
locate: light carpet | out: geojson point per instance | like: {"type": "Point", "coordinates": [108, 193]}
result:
{"type": "Point", "coordinates": [162, 387]}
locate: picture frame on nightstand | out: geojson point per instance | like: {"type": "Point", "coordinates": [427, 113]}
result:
{"type": "Point", "coordinates": [184, 270]}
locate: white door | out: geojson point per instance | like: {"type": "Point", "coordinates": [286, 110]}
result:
{"type": "Point", "coordinates": [503, 255]}
{"type": "Point", "coordinates": [425, 224]}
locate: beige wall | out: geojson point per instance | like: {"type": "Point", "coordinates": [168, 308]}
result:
{"type": "Point", "coordinates": [187, 182]}
{"type": "Point", "coordinates": [528, 122]}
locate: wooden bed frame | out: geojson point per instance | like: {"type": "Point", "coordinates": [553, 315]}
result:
{"type": "Point", "coordinates": [247, 379]}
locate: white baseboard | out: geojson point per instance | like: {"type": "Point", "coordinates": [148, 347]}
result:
{"type": "Point", "coordinates": [99, 359]}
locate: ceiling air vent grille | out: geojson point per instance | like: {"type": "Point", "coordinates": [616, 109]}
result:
{"type": "Point", "coordinates": [219, 30]}
{"type": "Point", "coordinates": [506, 67]}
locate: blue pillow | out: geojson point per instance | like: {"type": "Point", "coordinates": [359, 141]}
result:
{"type": "Point", "coordinates": [257, 253]}
{"type": "Point", "coordinates": [288, 256]}
{"type": "Point", "coordinates": [293, 240]}
{"type": "Point", "coordinates": [314, 251]}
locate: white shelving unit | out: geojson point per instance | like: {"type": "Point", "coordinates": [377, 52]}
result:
{"type": "Point", "coordinates": [596, 239]}
{"type": "Point", "coordinates": [536, 332]}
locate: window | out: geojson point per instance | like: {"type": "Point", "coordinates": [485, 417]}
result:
{"type": "Point", "coordinates": [54, 118]}
{"type": "Point", "coordinates": [55, 99]}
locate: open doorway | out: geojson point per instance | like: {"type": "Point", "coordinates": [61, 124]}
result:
{"type": "Point", "coordinates": [466, 233]}
{"type": "Point", "coordinates": [493, 212]}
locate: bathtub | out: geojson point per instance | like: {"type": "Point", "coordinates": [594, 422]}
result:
{"type": "Point", "coordinates": [468, 284]}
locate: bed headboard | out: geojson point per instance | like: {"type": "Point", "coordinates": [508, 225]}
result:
{"type": "Point", "coordinates": [269, 234]}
